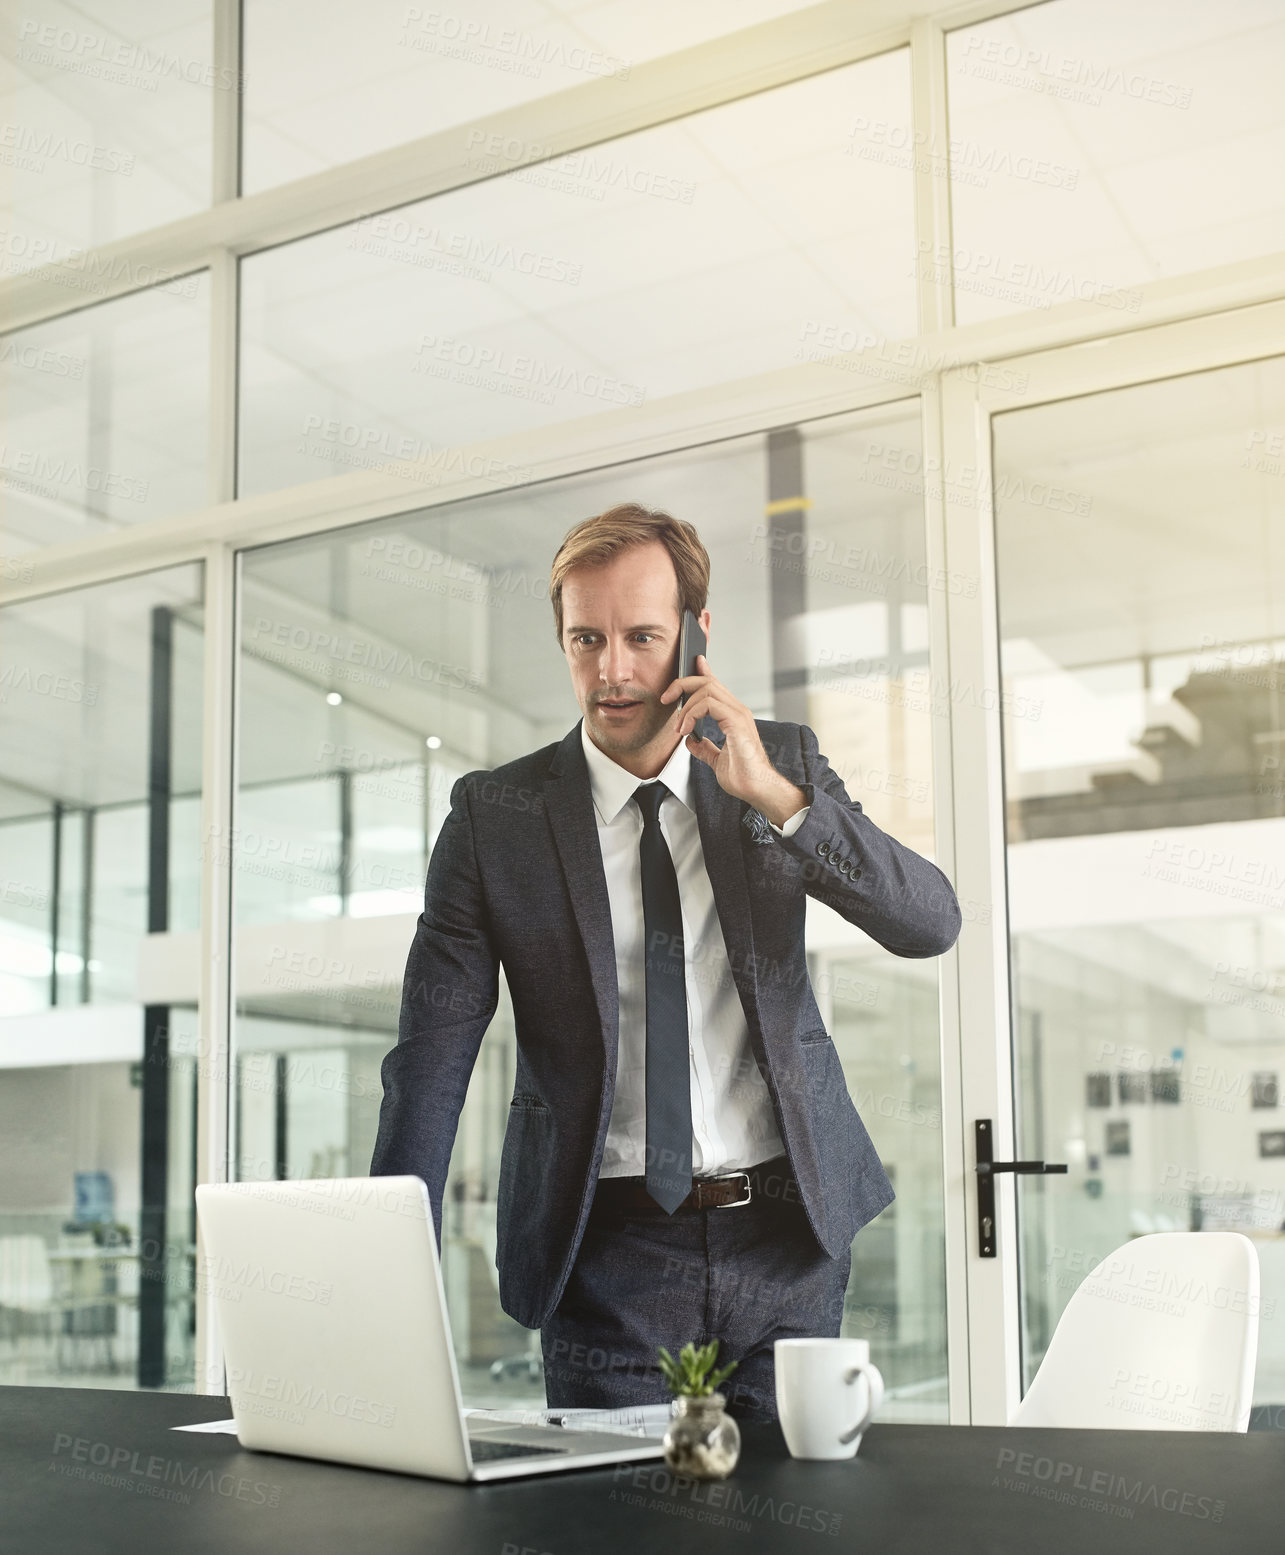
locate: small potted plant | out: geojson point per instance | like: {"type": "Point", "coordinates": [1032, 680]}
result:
{"type": "Point", "coordinates": [702, 1442]}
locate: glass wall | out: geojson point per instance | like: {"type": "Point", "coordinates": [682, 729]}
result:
{"type": "Point", "coordinates": [331, 82]}
{"type": "Point", "coordinates": [1094, 147]}
{"type": "Point", "coordinates": [729, 242]}
{"type": "Point", "coordinates": [108, 124]}
{"type": "Point", "coordinates": [382, 662]}
{"type": "Point", "coordinates": [100, 785]}
{"type": "Point", "coordinates": [1141, 554]}
{"type": "Point", "coordinates": [106, 416]}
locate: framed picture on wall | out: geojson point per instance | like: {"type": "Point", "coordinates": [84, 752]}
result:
{"type": "Point", "coordinates": [1165, 1085]}
{"type": "Point", "coordinates": [1131, 1085]}
{"type": "Point", "coordinates": [1271, 1143]}
{"type": "Point", "coordinates": [1097, 1090]}
{"type": "Point", "coordinates": [1264, 1089]}
{"type": "Point", "coordinates": [1118, 1137]}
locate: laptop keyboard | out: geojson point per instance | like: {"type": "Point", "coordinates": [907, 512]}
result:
{"type": "Point", "coordinates": [483, 1450]}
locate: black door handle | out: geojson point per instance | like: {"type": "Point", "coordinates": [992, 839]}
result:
{"type": "Point", "coordinates": [987, 1166]}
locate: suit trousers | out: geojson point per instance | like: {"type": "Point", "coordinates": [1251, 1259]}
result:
{"type": "Point", "coordinates": [746, 1275]}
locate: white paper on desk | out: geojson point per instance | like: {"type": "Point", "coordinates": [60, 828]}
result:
{"type": "Point", "coordinates": [630, 1420]}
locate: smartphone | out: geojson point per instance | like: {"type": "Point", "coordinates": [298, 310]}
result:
{"type": "Point", "coordinates": [691, 641]}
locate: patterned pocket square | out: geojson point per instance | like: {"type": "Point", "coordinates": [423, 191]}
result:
{"type": "Point", "coordinates": [757, 826]}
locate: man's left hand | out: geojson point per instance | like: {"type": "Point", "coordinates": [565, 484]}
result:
{"type": "Point", "coordinates": [740, 764]}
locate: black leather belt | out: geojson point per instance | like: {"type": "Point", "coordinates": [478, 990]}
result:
{"type": "Point", "coordinates": [726, 1190]}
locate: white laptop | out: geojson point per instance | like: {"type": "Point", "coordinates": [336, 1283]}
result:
{"type": "Point", "coordinates": [333, 1317]}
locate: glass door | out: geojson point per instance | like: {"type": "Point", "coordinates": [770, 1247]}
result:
{"type": "Point", "coordinates": [1140, 562]}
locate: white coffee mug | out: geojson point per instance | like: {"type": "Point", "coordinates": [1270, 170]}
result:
{"type": "Point", "coordinates": [827, 1392]}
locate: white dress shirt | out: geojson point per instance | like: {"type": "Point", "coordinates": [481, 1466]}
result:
{"type": "Point", "coordinates": [733, 1124]}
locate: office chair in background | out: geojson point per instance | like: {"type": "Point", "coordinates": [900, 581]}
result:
{"type": "Point", "coordinates": [1162, 1335]}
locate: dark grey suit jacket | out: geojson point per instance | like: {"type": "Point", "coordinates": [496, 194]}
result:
{"type": "Point", "coordinates": [516, 877]}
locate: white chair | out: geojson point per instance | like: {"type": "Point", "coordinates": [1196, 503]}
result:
{"type": "Point", "coordinates": [26, 1283]}
{"type": "Point", "coordinates": [1162, 1335]}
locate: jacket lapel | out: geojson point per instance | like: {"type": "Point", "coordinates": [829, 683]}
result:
{"type": "Point", "coordinates": [569, 802]}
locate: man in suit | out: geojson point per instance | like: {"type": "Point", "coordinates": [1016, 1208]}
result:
{"type": "Point", "coordinates": [682, 1159]}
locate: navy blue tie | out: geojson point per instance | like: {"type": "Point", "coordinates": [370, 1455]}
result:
{"type": "Point", "coordinates": [669, 1098]}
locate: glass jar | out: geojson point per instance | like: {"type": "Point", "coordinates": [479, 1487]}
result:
{"type": "Point", "coordinates": [702, 1442]}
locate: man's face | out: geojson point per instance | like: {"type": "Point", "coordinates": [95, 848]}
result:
{"type": "Point", "coordinates": [620, 635]}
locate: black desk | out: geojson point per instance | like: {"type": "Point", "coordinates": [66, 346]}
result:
{"type": "Point", "coordinates": [917, 1489]}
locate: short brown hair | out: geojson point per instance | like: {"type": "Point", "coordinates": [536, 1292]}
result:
{"type": "Point", "coordinates": [595, 541]}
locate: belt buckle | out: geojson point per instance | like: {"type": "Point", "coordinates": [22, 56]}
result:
{"type": "Point", "coordinates": [736, 1203]}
